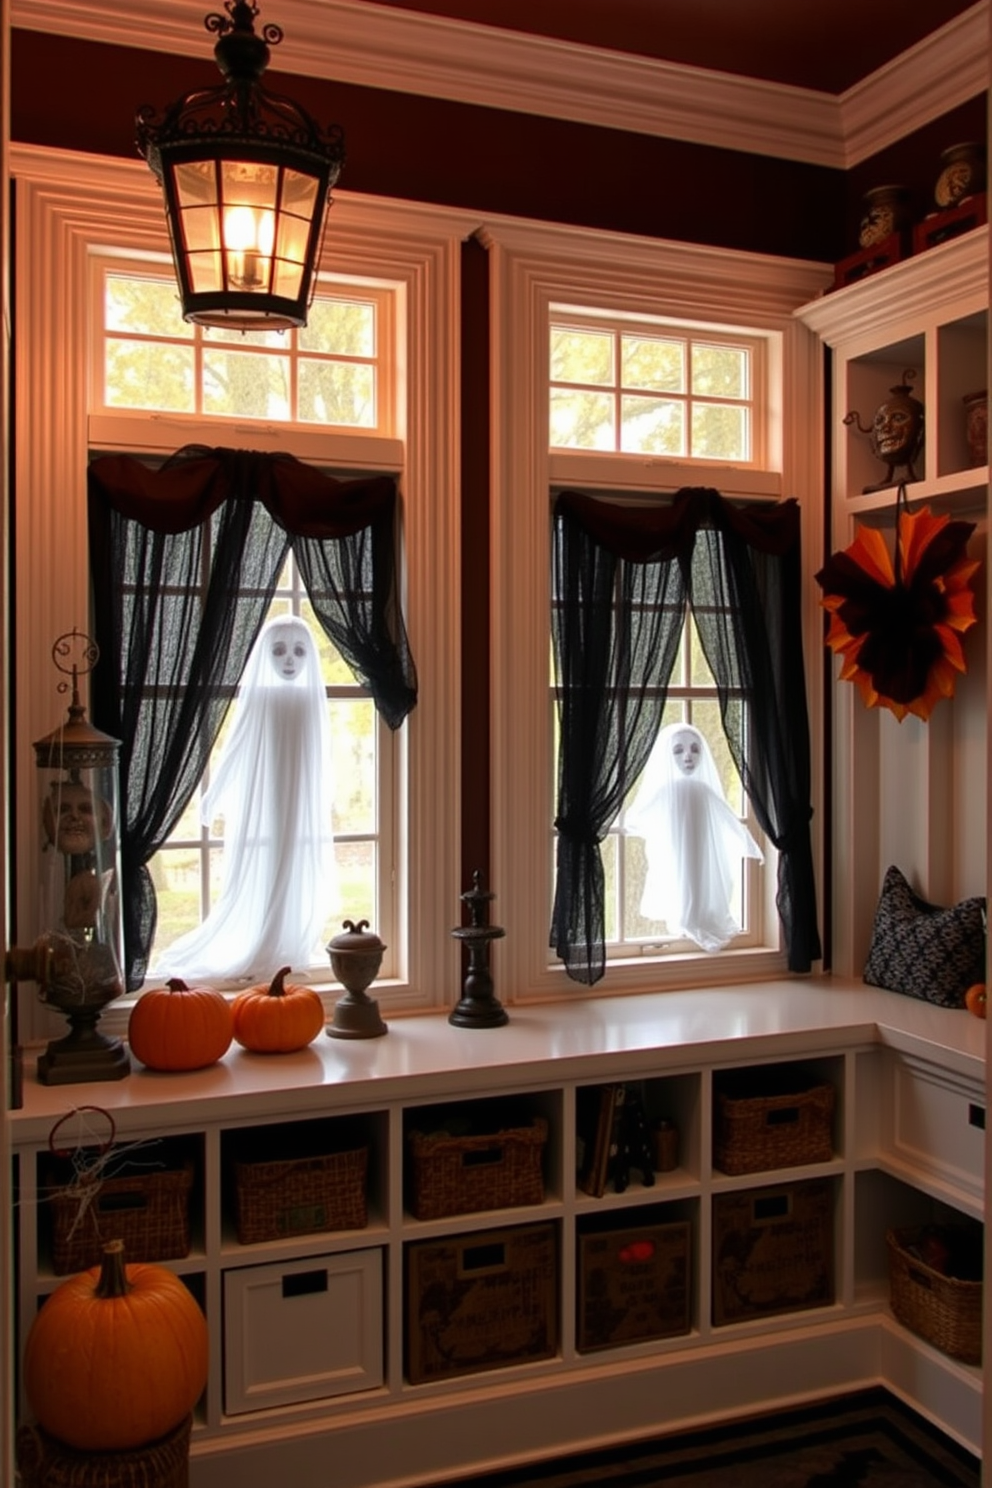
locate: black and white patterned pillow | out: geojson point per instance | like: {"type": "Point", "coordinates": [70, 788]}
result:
{"type": "Point", "coordinates": [923, 949]}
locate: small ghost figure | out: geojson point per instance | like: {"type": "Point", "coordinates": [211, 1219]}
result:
{"type": "Point", "coordinates": [693, 841]}
{"type": "Point", "coordinates": [273, 786]}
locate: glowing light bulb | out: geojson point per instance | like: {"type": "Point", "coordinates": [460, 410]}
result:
{"type": "Point", "coordinates": [249, 237]}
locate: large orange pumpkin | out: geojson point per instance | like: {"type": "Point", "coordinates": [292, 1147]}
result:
{"type": "Point", "coordinates": [278, 1018]}
{"type": "Point", "coordinates": [176, 1027]}
{"type": "Point", "coordinates": [117, 1356]}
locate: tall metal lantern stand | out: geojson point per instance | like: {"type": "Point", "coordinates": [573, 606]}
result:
{"type": "Point", "coordinates": [247, 177]}
{"type": "Point", "coordinates": [479, 1006]}
{"type": "Point", "coordinates": [77, 959]}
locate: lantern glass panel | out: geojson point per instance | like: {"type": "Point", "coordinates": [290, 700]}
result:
{"type": "Point", "coordinates": [294, 234]}
{"type": "Point", "coordinates": [299, 193]}
{"type": "Point", "coordinates": [246, 183]}
{"type": "Point", "coordinates": [200, 229]}
{"type": "Point", "coordinates": [195, 183]}
{"type": "Point", "coordinates": [80, 884]}
{"type": "Point", "coordinates": [288, 280]}
{"type": "Point", "coordinates": [205, 273]}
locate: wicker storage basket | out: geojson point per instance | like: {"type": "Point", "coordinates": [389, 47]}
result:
{"type": "Point", "coordinates": [45, 1462]}
{"type": "Point", "coordinates": [786, 1125]}
{"type": "Point", "coordinates": [148, 1211]}
{"type": "Point", "coordinates": [486, 1170]}
{"type": "Point", "coordinates": [945, 1310]}
{"type": "Point", "coordinates": [301, 1195]}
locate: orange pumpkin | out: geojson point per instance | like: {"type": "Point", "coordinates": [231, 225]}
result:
{"type": "Point", "coordinates": [176, 1027]}
{"type": "Point", "coordinates": [116, 1357]}
{"type": "Point", "coordinates": [278, 1018]}
{"type": "Point", "coordinates": [976, 999]}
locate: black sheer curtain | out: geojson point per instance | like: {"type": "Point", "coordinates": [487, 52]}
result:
{"type": "Point", "coordinates": [184, 561]}
{"type": "Point", "coordinates": [616, 633]}
{"type": "Point", "coordinates": [739, 570]}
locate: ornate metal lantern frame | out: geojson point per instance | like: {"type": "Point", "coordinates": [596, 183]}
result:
{"type": "Point", "coordinates": [247, 177]}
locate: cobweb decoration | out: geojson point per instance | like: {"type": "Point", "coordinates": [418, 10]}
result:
{"type": "Point", "coordinates": [85, 1138]}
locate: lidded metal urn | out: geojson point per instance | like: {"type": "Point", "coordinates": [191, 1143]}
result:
{"type": "Point", "coordinates": [78, 957]}
{"type": "Point", "coordinates": [356, 956]}
{"type": "Point", "coordinates": [479, 1006]}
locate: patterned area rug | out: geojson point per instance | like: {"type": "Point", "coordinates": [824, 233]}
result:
{"type": "Point", "coordinates": [868, 1440]}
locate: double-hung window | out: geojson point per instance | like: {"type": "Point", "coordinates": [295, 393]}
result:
{"type": "Point", "coordinates": [369, 390]}
{"type": "Point", "coordinates": [695, 395]}
{"type": "Point", "coordinates": [338, 373]}
{"type": "Point", "coordinates": [630, 374]}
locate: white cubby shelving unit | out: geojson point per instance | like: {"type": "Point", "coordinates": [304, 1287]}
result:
{"type": "Point", "coordinates": [308, 1334]}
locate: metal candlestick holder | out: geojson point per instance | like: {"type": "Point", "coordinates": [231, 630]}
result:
{"type": "Point", "coordinates": [479, 1006]}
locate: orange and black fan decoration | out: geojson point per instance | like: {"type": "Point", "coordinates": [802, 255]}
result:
{"type": "Point", "coordinates": [897, 625]}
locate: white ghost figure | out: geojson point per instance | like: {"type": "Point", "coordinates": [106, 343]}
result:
{"type": "Point", "coordinates": [693, 841]}
{"type": "Point", "coordinates": [273, 786]}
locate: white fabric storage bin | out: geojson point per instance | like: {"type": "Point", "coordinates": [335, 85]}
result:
{"type": "Point", "coordinates": [302, 1330]}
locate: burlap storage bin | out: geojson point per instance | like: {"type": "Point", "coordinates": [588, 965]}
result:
{"type": "Point", "coordinates": [488, 1300]}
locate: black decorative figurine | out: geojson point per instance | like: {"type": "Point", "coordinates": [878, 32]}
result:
{"type": "Point", "coordinates": [479, 1006]}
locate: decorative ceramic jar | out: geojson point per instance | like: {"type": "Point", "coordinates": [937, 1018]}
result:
{"type": "Point", "coordinates": [976, 424]}
{"type": "Point", "coordinates": [665, 1145]}
{"type": "Point", "coordinates": [884, 210]}
{"type": "Point", "coordinates": [962, 174]}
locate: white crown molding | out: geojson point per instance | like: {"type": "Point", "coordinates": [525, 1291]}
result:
{"type": "Point", "coordinates": [906, 290]}
{"type": "Point", "coordinates": [407, 52]}
{"type": "Point", "coordinates": [927, 80]}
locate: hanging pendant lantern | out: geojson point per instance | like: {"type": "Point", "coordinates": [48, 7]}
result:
{"type": "Point", "coordinates": [247, 178]}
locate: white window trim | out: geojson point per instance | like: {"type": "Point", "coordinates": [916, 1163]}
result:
{"type": "Point", "coordinates": [533, 268]}
{"type": "Point", "coordinates": [68, 202]}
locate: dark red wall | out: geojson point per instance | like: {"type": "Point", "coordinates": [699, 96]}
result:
{"type": "Point", "coordinates": [81, 95]}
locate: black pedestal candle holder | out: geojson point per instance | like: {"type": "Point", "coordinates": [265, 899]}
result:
{"type": "Point", "coordinates": [479, 1006]}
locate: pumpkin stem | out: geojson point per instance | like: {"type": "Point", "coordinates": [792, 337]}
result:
{"type": "Point", "coordinates": [112, 1281]}
{"type": "Point", "coordinates": [277, 987]}
{"type": "Point", "coordinates": [176, 984]}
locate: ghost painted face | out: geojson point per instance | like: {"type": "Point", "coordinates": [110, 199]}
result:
{"type": "Point", "coordinates": [686, 751]}
{"type": "Point", "coordinates": [288, 654]}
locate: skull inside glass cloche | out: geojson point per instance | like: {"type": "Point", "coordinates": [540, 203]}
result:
{"type": "Point", "coordinates": [79, 953]}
